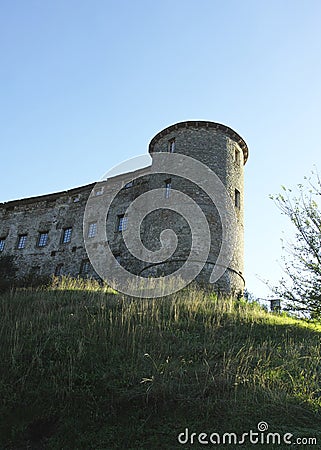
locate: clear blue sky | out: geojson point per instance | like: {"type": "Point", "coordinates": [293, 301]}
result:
{"type": "Point", "coordinates": [86, 84]}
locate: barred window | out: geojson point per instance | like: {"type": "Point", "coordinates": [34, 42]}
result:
{"type": "Point", "coordinates": [66, 237]}
{"type": "Point", "coordinates": [43, 239]}
{"type": "Point", "coordinates": [92, 229]}
{"type": "Point", "coordinates": [22, 239]}
{"type": "Point", "coordinates": [122, 222]}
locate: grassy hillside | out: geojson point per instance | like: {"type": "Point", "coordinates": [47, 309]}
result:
{"type": "Point", "coordinates": [85, 368]}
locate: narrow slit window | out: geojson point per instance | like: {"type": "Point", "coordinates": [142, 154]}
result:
{"type": "Point", "coordinates": [237, 198]}
{"type": "Point", "coordinates": [237, 156]}
{"type": "Point", "coordinates": [168, 187]}
{"type": "Point", "coordinates": [171, 145]}
{"type": "Point", "coordinates": [2, 244]}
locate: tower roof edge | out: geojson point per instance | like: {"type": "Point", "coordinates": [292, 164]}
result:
{"type": "Point", "coordinates": [202, 124]}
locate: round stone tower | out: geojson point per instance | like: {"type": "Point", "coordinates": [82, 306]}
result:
{"type": "Point", "coordinates": [225, 152]}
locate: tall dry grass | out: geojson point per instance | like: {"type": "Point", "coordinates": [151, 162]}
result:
{"type": "Point", "coordinates": [79, 346]}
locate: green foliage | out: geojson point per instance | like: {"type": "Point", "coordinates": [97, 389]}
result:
{"type": "Point", "coordinates": [83, 367]}
{"type": "Point", "coordinates": [301, 286]}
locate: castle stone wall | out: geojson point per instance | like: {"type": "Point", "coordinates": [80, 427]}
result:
{"type": "Point", "coordinates": [216, 146]}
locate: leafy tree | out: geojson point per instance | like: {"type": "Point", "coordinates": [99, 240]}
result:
{"type": "Point", "coordinates": [301, 286]}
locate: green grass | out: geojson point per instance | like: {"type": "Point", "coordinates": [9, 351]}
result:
{"type": "Point", "coordinates": [83, 367]}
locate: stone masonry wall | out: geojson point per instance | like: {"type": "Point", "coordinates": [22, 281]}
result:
{"type": "Point", "coordinates": [215, 145]}
{"type": "Point", "coordinates": [50, 214]}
